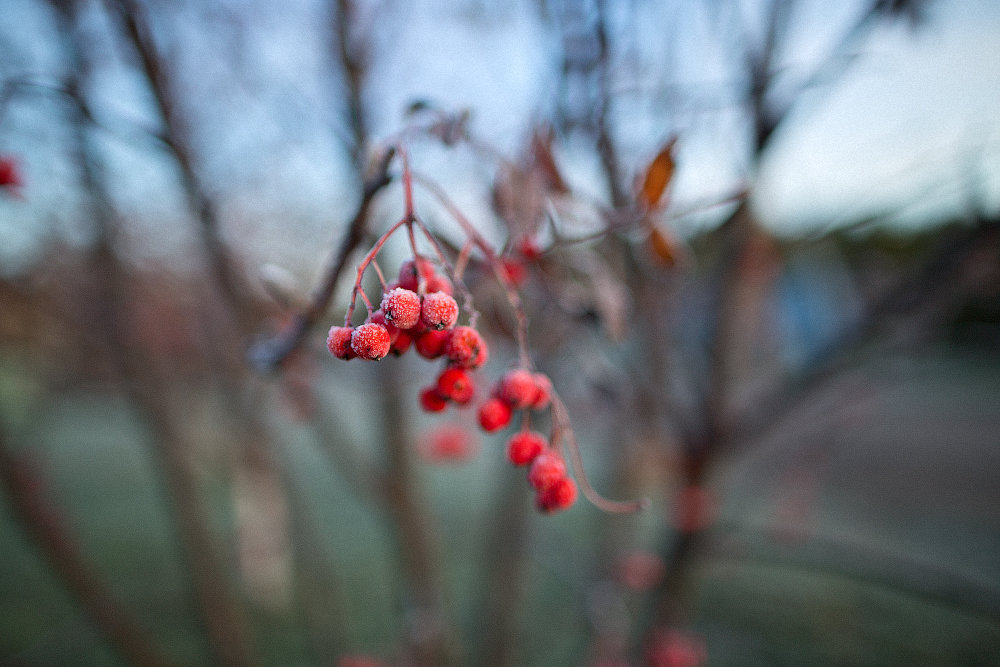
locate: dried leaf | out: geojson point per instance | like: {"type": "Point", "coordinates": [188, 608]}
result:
{"type": "Point", "coordinates": [658, 175]}
{"type": "Point", "coordinates": [541, 150]}
{"type": "Point", "coordinates": [663, 246]}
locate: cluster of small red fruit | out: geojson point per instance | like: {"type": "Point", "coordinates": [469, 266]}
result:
{"type": "Point", "coordinates": [520, 389]}
{"type": "Point", "coordinates": [419, 311]}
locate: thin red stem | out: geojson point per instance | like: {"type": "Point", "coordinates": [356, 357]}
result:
{"type": "Point", "coordinates": [513, 298]}
{"type": "Point", "coordinates": [362, 265]}
{"type": "Point", "coordinates": [407, 179]}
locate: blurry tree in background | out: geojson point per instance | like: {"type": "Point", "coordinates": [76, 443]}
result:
{"type": "Point", "coordinates": [191, 478]}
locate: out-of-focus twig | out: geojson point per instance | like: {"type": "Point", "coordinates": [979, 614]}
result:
{"type": "Point", "coordinates": [43, 524]}
{"type": "Point", "coordinates": [222, 614]}
{"type": "Point", "coordinates": [176, 138]}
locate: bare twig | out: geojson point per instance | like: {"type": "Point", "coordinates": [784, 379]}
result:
{"type": "Point", "coordinates": [43, 525]}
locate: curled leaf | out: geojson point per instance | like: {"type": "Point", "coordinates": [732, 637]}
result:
{"type": "Point", "coordinates": [658, 175]}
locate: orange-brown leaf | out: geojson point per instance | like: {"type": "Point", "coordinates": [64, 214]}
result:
{"type": "Point", "coordinates": [658, 175]}
{"type": "Point", "coordinates": [664, 248]}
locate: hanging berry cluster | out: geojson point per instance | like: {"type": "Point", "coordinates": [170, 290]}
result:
{"type": "Point", "coordinates": [418, 310]}
{"type": "Point", "coordinates": [520, 389]}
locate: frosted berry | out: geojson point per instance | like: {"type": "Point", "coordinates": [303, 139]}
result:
{"type": "Point", "coordinates": [524, 446]}
{"type": "Point", "coordinates": [378, 317]}
{"type": "Point", "coordinates": [411, 270]}
{"type": "Point", "coordinates": [431, 400]}
{"type": "Point", "coordinates": [466, 348]}
{"type": "Point", "coordinates": [431, 343]}
{"type": "Point", "coordinates": [517, 388]}
{"type": "Point", "coordinates": [543, 391]}
{"type": "Point", "coordinates": [371, 341]}
{"type": "Point", "coordinates": [401, 307]}
{"type": "Point", "coordinates": [455, 384]}
{"type": "Point", "coordinates": [493, 415]}
{"type": "Point", "coordinates": [547, 469]}
{"type": "Point", "coordinates": [439, 311]}
{"type": "Point", "coordinates": [338, 341]}
{"type": "Point", "coordinates": [559, 496]}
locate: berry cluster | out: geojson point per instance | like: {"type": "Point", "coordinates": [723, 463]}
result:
{"type": "Point", "coordinates": [520, 389]}
{"type": "Point", "coordinates": [417, 310]}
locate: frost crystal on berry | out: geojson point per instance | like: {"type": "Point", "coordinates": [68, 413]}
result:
{"type": "Point", "coordinates": [401, 307]}
{"type": "Point", "coordinates": [439, 311]}
{"type": "Point", "coordinates": [371, 341]}
{"type": "Point", "coordinates": [466, 348]}
{"type": "Point", "coordinates": [378, 317]}
{"type": "Point", "coordinates": [338, 341]}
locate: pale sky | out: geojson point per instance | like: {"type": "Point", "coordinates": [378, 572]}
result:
{"type": "Point", "coordinates": [911, 128]}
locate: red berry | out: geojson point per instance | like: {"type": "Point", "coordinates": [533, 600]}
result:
{"type": "Point", "coordinates": [378, 317]}
{"type": "Point", "coordinates": [431, 343]}
{"type": "Point", "coordinates": [401, 307]}
{"type": "Point", "coordinates": [517, 387]}
{"type": "Point", "coordinates": [528, 249]}
{"type": "Point", "coordinates": [448, 442]}
{"type": "Point", "coordinates": [493, 415]}
{"type": "Point", "coordinates": [439, 283]}
{"type": "Point", "coordinates": [455, 384]}
{"type": "Point", "coordinates": [409, 277]}
{"type": "Point", "coordinates": [557, 497]}
{"type": "Point", "coordinates": [10, 175]}
{"type": "Point", "coordinates": [514, 270]}
{"type": "Point", "coordinates": [431, 400]}
{"type": "Point", "coordinates": [466, 348]}
{"type": "Point", "coordinates": [547, 469]}
{"type": "Point", "coordinates": [338, 341]}
{"type": "Point", "coordinates": [524, 446]}
{"type": "Point", "coordinates": [371, 341]}
{"type": "Point", "coordinates": [401, 344]}
{"type": "Point", "coordinates": [439, 311]}
{"type": "Point", "coordinates": [673, 648]}
{"type": "Point", "coordinates": [543, 391]}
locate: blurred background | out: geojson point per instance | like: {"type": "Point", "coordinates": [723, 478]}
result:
{"type": "Point", "coordinates": [757, 247]}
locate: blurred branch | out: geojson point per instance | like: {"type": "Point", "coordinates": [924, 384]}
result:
{"type": "Point", "coordinates": [429, 635]}
{"type": "Point", "coordinates": [221, 611]}
{"type": "Point", "coordinates": [353, 57]}
{"type": "Point", "coordinates": [43, 525]}
{"type": "Point", "coordinates": [929, 292]}
{"type": "Point", "coordinates": [270, 353]}
{"type": "Point", "coordinates": [177, 139]}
